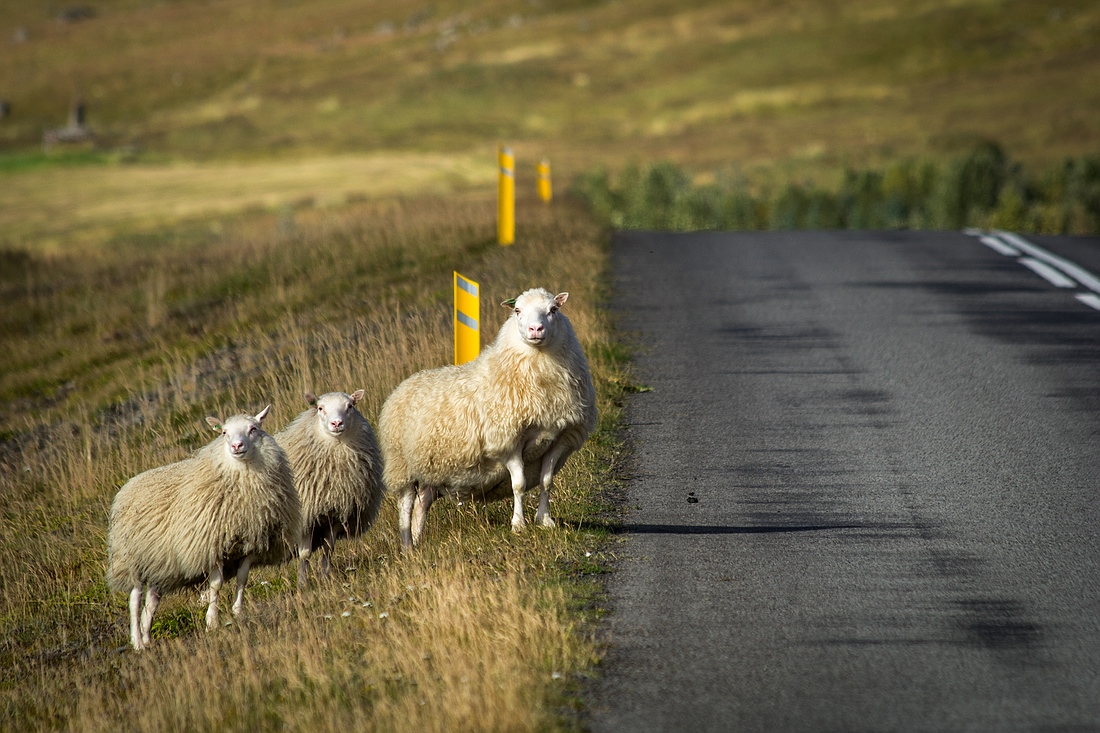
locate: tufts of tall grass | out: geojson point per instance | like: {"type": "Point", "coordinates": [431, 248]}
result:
{"type": "Point", "coordinates": [984, 188]}
{"type": "Point", "coordinates": [479, 630]}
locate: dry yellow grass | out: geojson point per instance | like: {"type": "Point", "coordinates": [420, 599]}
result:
{"type": "Point", "coordinates": [479, 630]}
{"type": "Point", "coordinates": [52, 209]}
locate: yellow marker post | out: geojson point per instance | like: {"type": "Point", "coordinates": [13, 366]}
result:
{"type": "Point", "coordinates": [467, 318]}
{"type": "Point", "coordinates": [506, 197]}
{"type": "Point", "coordinates": [546, 193]}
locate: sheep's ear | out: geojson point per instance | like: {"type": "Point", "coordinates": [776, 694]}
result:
{"type": "Point", "coordinates": [357, 395]}
{"type": "Point", "coordinates": [311, 399]}
{"type": "Point", "coordinates": [214, 423]}
{"type": "Point", "coordinates": [560, 299]}
{"type": "Point", "coordinates": [263, 413]}
{"type": "Point", "coordinates": [510, 303]}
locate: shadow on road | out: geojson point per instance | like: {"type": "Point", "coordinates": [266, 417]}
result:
{"type": "Point", "coordinates": [712, 529]}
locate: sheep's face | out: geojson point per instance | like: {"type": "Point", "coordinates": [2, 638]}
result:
{"type": "Point", "coordinates": [336, 411]}
{"type": "Point", "coordinates": [536, 315]}
{"type": "Point", "coordinates": [241, 433]}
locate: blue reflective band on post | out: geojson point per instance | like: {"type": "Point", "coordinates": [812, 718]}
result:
{"type": "Point", "coordinates": [465, 320]}
{"type": "Point", "coordinates": [468, 286]}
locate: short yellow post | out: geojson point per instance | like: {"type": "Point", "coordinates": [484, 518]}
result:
{"type": "Point", "coordinates": [506, 197]}
{"type": "Point", "coordinates": [467, 317]}
{"type": "Point", "coordinates": [545, 191]}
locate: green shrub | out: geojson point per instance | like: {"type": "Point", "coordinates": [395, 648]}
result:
{"type": "Point", "coordinates": [983, 188]}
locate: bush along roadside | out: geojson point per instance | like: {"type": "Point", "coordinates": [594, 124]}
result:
{"type": "Point", "coordinates": [983, 188]}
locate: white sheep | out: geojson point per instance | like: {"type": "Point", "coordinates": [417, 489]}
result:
{"type": "Point", "coordinates": [337, 471]}
{"type": "Point", "coordinates": [506, 420]}
{"type": "Point", "coordinates": [228, 507]}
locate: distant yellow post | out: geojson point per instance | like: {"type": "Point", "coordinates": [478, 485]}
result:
{"type": "Point", "coordinates": [545, 191]}
{"type": "Point", "coordinates": [467, 317]}
{"type": "Point", "coordinates": [506, 197]}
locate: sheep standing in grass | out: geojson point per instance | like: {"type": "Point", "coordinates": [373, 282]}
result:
{"type": "Point", "coordinates": [507, 420]}
{"type": "Point", "coordinates": [227, 508]}
{"type": "Point", "coordinates": [337, 471]}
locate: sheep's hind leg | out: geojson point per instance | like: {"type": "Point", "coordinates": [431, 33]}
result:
{"type": "Point", "coordinates": [152, 600]}
{"type": "Point", "coordinates": [425, 495]}
{"type": "Point", "coordinates": [514, 464]}
{"type": "Point", "coordinates": [135, 618]}
{"type": "Point", "coordinates": [242, 581]}
{"type": "Point", "coordinates": [549, 464]}
{"type": "Point", "coordinates": [406, 498]}
{"type": "Point", "coordinates": [211, 597]}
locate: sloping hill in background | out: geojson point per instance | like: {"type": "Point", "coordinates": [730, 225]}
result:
{"type": "Point", "coordinates": [802, 84]}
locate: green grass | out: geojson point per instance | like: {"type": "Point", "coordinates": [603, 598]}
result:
{"type": "Point", "coordinates": [20, 162]}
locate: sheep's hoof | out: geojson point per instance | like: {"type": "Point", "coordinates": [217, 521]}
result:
{"type": "Point", "coordinates": [518, 527]}
{"type": "Point", "coordinates": [547, 522]}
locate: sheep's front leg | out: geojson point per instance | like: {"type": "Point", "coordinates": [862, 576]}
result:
{"type": "Point", "coordinates": [216, 580]}
{"type": "Point", "coordinates": [327, 543]}
{"type": "Point", "coordinates": [305, 547]}
{"type": "Point", "coordinates": [135, 618]}
{"type": "Point", "coordinates": [425, 495]}
{"type": "Point", "coordinates": [549, 464]}
{"type": "Point", "coordinates": [406, 499]}
{"type": "Point", "coordinates": [514, 464]}
{"type": "Point", "coordinates": [242, 581]}
{"type": "Point", "coordinates": [152, 600]}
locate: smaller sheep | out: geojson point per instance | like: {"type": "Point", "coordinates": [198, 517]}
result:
{"type": "Point", "coordinates": [495, 426]}
{"type": "Point", "coordinates": [337, 471]}
{"type": "Point", "coordinates": [227, 508]}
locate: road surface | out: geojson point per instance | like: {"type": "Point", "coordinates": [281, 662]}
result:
{"type": "Point", "coordinates": [865, 494]}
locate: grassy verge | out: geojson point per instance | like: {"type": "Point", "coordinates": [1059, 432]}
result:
{"type": "Point", "coordinates": [983, 188]}
{"type": "Point", "coordinates": [111, 362]}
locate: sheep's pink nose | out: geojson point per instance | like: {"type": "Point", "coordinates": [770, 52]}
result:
{"type": "Point", "coordinates": [237, 445]}
{"type": "Point", "coordinates": [535, 330]}
{"type": "Point", "coordinates": [336, 424]}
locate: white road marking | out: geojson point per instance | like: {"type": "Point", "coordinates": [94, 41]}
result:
{"type": "Point", "coordinates": [1047, 272]}
{"type": "Point", "coordinates": [1078, 273]}
{"type": "Point", "coordinates": [1090, 299]}
{"type": "Point", "coordinates": [1056, 270]}
{"type": "Point", "coordinates": [999, 247]}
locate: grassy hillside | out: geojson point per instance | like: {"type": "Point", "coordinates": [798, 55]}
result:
{"type": "Point", "coordinates": [202, 107]}
{"type": "Point", "coordinates": [798, 82]}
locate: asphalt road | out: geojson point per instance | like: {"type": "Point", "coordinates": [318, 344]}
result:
{"type": "Point", "coordinates": [892, 441]}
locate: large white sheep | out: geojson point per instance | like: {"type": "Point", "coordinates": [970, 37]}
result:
{"type": "Point", "coordinates": [230, 506]}
{"type": "Point", "coordinates": [495, 426]}
{"type": "Point", "coordinates": [337, 471]}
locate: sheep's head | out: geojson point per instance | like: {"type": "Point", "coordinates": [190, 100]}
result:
{"type": "Point", "coordinates": [335, 411]}
{"type": "Point", "coordinates": [536, 315]}
{"type": "Point", "coordinates": [240, 433]}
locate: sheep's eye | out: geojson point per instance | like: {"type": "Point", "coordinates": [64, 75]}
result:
{"type": "Point", "coordinates": [252, 430]}
{"type": "Point", "coordinates": [517, 311]}
{"type": "Point", "coordinates": [553, 309]}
